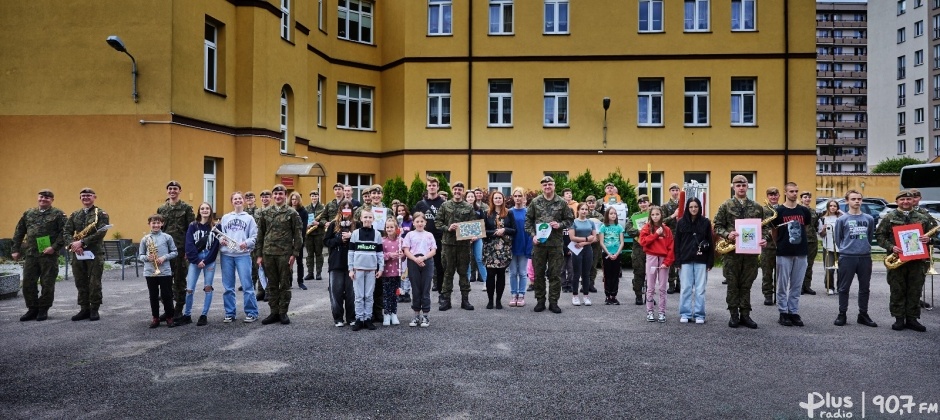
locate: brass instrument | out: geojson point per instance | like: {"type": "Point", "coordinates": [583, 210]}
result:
{"type": "Point", "coordinates": [312, 228]}
{"type": "Point", "coordinates": [725, 246]}
{"type": "Point", "coordinates": [231, 243]}
{"type": "Point", "coordinates": [893, 260]}
{"type": "Point", "coordinates": [87, 230]}
{"type": "Point", "coordinates": [830, 230]}
{"type": "Point", "coordinates": [152, 253]}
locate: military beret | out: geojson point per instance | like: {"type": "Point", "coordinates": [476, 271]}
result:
{"type": "Point", "coordinates": [773, 190]}
{"type": "Point", "coordinates": [174, 184]}
{"type": "Point", "coordinates": [377, 187]}
{"type": "Point", "coordinates": [457, 184]}
{"type": "Point", "coordinates": [805, 193]}
{"type": "Point", "coordinates": [339, 185]}
{"type": "Point", "coordinates": [46, 193]}
{"type": "Point", "coordinates": [249, 194]}
{"type": "Point", "coordinates": [643, 197]}
{"type": "Point", "coordinates": [314, 192]}
{"type": "Point", "coordinates": [915, 192]}
{"type": "Point", "coordinates": [609, 184]}
{"type": "Point", "coordinates": [547, 179]}
{"type": "Point", "coordinates": [280, 188]}
{"type": "Point", "coordinates": [86, 190]}
{"type": "Point", "coordinates": [739, 179]}
{"type": "Point", "coordinates": [673, 186]}
{"type": "Point", "coordinates": [265, 192]}
{"type": "Point", "coordinates": [904, 193]}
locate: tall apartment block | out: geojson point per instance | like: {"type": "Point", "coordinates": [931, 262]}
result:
{"type": "Point", "coordinates": [841, 86]}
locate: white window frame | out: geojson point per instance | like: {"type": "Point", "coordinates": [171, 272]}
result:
{"type": "Point", "coordinates": [358, 182]}
{"type": "Point", "coordinates": [284, 113]}
{"type": "Point", "coordinates": [936, 117]}
{"type": "Point", "coordinates": [936, 145]}
{"type": "Point", "coordinates": [695, 19]}
{"type": "Point", "coordinates": [496, 181]}
{"type": "Point", "coordinates": [651, 17]}
{"type": "Point", "coordinates": [902, 35]}
{"type": "Point", "coordinates": [902, 7]}
{"type": "Point", "coordinates": [742, 96]}
{"type": "Point", "coordinates": [345, 14]}
{"type": "Point", "coordinates": [902, 147]}
{"type": "Point", "coordinates": [918, 57]}
{"type": "Point", "coordinates": [437, 99]}
{"type": "Point", "coordinates": [902, 123]}
{"type": "Point", "coordinates": [653, 98]}
{"type": "Point", "coordinates": [501, 8]}
{"type": "Point", "coordinates": [443, 11]}
{"type": "Point", "coordinates": [739, 17]}
{"type": "Point", "coordinates": [554, 26]}
{"type": "Point", "coordinates": [556, 107]}
{"type": "Point", "coordinates": [502, 99]}
{"type": "Point", "coordinates": [320, 17]}
{"type": "Point", "coordinates": [285, 19]}
{"type": "Point", "coordinates": [919, 87]}
{"type": "Point", "coordinates": [918, 28]}
{"type": "Point", "coordinates": [918, 145]}
{"type": "Point", "coordinates": [211, 60]}
{"type": "Point", "coordinates": [653, 189]}
{"type": "Point", "coordinates": [902, 97]}
{"type": "Point", "coordinates": [696, 97]}
{"type": "Point", "coordinates": [694, 179]}
{"type": "Point", "coordinates": [209, 184]}
{"type": "Point", "coordinates": [321, 83]}
{"type": "Point", "coordinates": [918, 115]}
{"type": "Point", "coordinates": [751, 182]}
{"type": "Point", "coordinates": [351, 97]}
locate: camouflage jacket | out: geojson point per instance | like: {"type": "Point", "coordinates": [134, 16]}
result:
{"type": "Point", "coordinates": [316, 212]}
{"type": "Point", "coordinates": [884, 233]}
{"type": "Point", "coordinates": [732, 210]}
{"type": "Point", "coordinates": [453, 212]}
{"type": "Point", "coordinates": [329, 212]}
{"type": "Point", "coordinates": [79, 220]}
{"type": "Point", "coordinates": [629, 230]}
{"type": "Point", "coordinates": [280, 231]}
{"type": "Point", "coordinates": [812, 229]}
{"type": "Point", "coordinates": [176, 221]}
{"type": "Point", "coordinates": [669, 208]}
{"type": "Point", "coordinates": [358, 213]}
{"type": "Point", "coordinates": [37, 223]}
{"type": "Point", "coordinates": [543, 210]}
{"type": "Point", "coordinates": [251, 211]}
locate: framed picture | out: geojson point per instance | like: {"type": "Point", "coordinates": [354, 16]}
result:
{"type": "Point", "coordinates": [749, 236]}
{"type": "Point", "coordinates": [471, 229]}
{"type": "Point", "coordinates": [907, 237]}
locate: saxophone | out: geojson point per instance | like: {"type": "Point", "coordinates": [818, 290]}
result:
{"type": "Point", "coordinates": [725, 246]}
{"type": "Point", "coordinates": [312, 228]}
{"type": "Point", "coordinates": [893, 260]}
{"type": "Point", "coordinates": [152, 253]}
{"type": "Point", "coordinates": [87, 230]}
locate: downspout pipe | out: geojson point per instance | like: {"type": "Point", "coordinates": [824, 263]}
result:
{"type": "Point", "coordinates": [470, 95]}
{"type": "Point", "coordinates": [786, 90]}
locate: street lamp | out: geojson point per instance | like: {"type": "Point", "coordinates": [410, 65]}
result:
{"type": "Point", "coordinates": [118, 45]}
{"type": "Point", "coordinates": [606, 106]}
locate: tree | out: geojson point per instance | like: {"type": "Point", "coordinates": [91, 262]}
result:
{"type": "Point", "coordinates": [445, 186]}
{"type": "Point", "coordinates": [393, 189]}
{"type": "Point", "coordinates": [584, 185]}
{"type": "Point", "coordinates": [626, 190]}
{"type": "Point", "coordinates": [894, 165]}
{"type": "Point", "coordinates": [416, 191]}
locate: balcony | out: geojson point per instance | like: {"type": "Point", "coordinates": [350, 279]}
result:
{"type": "Point", "coordinates": [841, 91]}
{"type": "Point", "coordinates": [849, 40]}
{"type": "Point", "coordinates": [826, 24]}
{"type": "Point", "coordinates": [841, 159]}
{"type": "Point", "coordinates": [840, 108]}
{"type": "Point", "coordinates": [841, 141]}
{"type": "Point", "coordinates": [850, 124]}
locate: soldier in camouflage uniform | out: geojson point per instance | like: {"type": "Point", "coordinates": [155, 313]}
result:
{"type": "Point", "coordinates": [907, 280]}
{"type": "Point", "coordinates": [42, 226]}
{"type": "Point", "coordinates": [456, 253]}
{"type": "Point", "coordinates": [331, 208]}
{"type": "Point", "coordinates": [280, 238]}
{"type": "Point", "coordinates": [177, 216]}
{"type": "Point", "coordinates": [928, 262]}
{"type": "Point", "coordinates": [314, 237]}
{"type": "Point", "coordinates": [768, 255]}
{"type": "Point", "coordinates": [637, 256]}
{"type": "Point", "coordinates": [594, 214]}
{"type": "Point", "coordinates": [547, 253]}
{"type": "Point", "coordinates": [812, 241]}
{"type": "Point", "coordinates": [741, 269]}
{"type": "Point", "coordinates": [87, 272]}
{"type": "Point", "coordinates": [365, 206]}
{"type": "Point", "coordinates": [671, 219]}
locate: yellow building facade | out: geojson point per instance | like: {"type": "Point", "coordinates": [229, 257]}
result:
{"type": "Point", "coordinates": [492, 93]}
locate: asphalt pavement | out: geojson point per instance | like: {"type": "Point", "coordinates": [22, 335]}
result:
{"type": "Point", "coordinates": [587, 362]}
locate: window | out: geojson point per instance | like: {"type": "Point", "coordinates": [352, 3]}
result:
{"type": "Point", "coordinates": [556, 103]}
{"type": "Point", "coordinates": [696, 102]}
{"type": "Point", "coordinates": [936, 55]}
{"type": "Point", "coordinates": [750, 183]}
{"type": "Point", "coordinates": [556, 16]}
{"type": "Point", "coordinates": [742, 15]}
{"type": "Point", "coordinates": [918, 3]}
{"type": "Point", "coordinates": [445, 175]}
{"type": "Point", "coordinates": [651, 16]}
{"type": "Point", "coordinates": [901, 35]}
{"type": "Point", "coordinates": [284, 114]}
{"type": "Point", "coordinates": [918, 28]}
{"type": "Point", "coordinates": [653, 188]}
{"type": "Point", "coordinates": [936, 145]}
{"type": "Point", "coordinates": [320, 14]}
{"type": "Point", "coordinates": [902, 147]}
{"type": "Point", "coordinates": [901, 66]}
{"type": "Point", "coordinates": [355, 20]}
{"type": "Point", "coordinates": [918, 116]}
{"type": "Point", "coordinates": [696, 185]}
{"type": "Point", "coordinates": [696, 15]}
{"type": "Point", "coordinates": [743, 106]}
{"type": "Point", "coordinates": [500, 103]}
{"type": "Point", "coordinates": [936, 117]}
{"type": "Point", "coordinates": [354, 107]}
{"type": "Point", "coordinates": [918, 57]}
{"type": "Point", "coordinates": [500, 17]}
{"type": "Point", "coordinates": [321, 83]}
{"type": "Point", "coordinates": [285, 19]}
{"type": "Point", "coordinates": [859, 167]}
{"type": "Point", "coordinates": [211, 52]}
{"type": "Point", "coordinates": [936, 27]}
{"type": "Point", "coordinates": [439, 103]}
{"type": "Point", "coordinates": [919, 86]}
{"type": "Point", "coordinates": [902, 6]}
{"type": "Point", "coordinates": [902, 88]}
{"type": "Point", "coordinates": [439, 17]}
{"type": "Point", "coordinates": [650, 102]}
{"type": "Point", "coordinates": [357, 181]}
{"type": "Point", "coordinates": [500, 181]}
{"type": "Point", "coordinates": [209, 181]}
{"type": "Point", "coordinates": [936, 89]}
{"type": "Point", "coordinates": [918, 145]}
{"type": "Point", "coordinates": [902, 123]}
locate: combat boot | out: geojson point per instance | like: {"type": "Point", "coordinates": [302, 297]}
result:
{"type": "Point", "coordinates": [43, 314]}
{"type": "Point", "coordinates": [912, 324]}
{"type": "Point", "coordinates": [747, 321]}
{"type": "Point", "coordinates": [539, 306]}
{"type": "Point", "coordinates": [445, 304]}
{"type": "Point", "coordinates": [898, 324]}
{"type": "Point", "coordinates": [82, 314]}
{"type": "Point", "coordinates": [735, 320]}
{"type": "Point", "coordinates": [270, 319]}
{"type": "Point", "coordinates": [29, 315]}
{"type": "Point", "coordinates": [639, 299]}
{"type": "Point", "coordinates": [841, 319]}
{"type": "Point", "coordinates": [465, 303]}
{"type": "Point", "coordinates": [93, 315]}
{"type": "Point", "coordinates": [785, 320]}
{"type": "Point", "coordinates": [864, 319]}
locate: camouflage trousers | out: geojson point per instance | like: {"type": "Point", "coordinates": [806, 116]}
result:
{"type": "Point", "coordinates": [40, 270]}
{"type": "Point", "coordinates": [314, 246]}
{"type": "Point", "coordinates": [456, 258]}
{"type": "Point", "coordinates": [812, 249]}
{"type": "Point", "coordinates": [88, 281]}
{"type": "Point", "coordinates": [740, 271]}
{"type": "Point", "coordinates": [768, 263]}
{"type": "Point", "coordinates": [597, 260]}
{"type": "Point", "coordinates": [905, 283]}
{"type": "Point", "coordinates": [180, 268]}
{"type": "Point", "coordinates": [277, 270]}
{"type": "Point", "coordinates": [638, 262]}
{"type": "Point", "coordinates": [547, 260]}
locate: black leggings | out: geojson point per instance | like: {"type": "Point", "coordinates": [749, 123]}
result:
{"type": "Point", "coordinates": [161, 288]}
{"type": "Point", "coordinates": [611, 276]}
{"type": "Point", "coordinates": [495, 282]}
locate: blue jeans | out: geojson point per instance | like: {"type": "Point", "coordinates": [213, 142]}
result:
{"type": "Point", "coordinates": [241, 263]}
{"type": "Point", "coordinates": [477, 248]}
{"type": "Point", "coordinates": [692, 276]}
{"type": "Point", "coordinates": [191, 278]}
{"type": "Point", "coordinates": [518, 274]}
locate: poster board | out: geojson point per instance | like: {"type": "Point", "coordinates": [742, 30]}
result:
{"type": "Point", "coordinates": [471, 229]}
{"type": "Point", "coordinates": [749, 236]}
{"type": "Point", "coordinates": [907, 237]}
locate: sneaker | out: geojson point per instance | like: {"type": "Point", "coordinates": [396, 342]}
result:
{"type": "Point", "coordinates": [155, 323]}
{"type": "Point", "coordinates": [358, 325]}
{"type": "Point", "coordinates": [386, 320]}
{"type": "Point", "coordinates": [662, 317]}
{"type": "Point", "coordinates": [369, 325]}
{"type": "Point", "coordinates": [796, 320]}
{"type": "Point", "coordinates": [202, 321]}
{"type": "Point", "coordinates": [830, 292]}
{"type": "Point", "coordinates": [683, 320]}
{"type": "Point", "coordinates": [607, 300]}
{"type": "Point", "coordinates": [395, 320]}
{"type": "Point", "coordinates": [425, 322]}
{"type": "Point", "coordinates": [512, 300]}
{"type": "Point", "coordinates": [302, 286]}
{"type": "Point", "coordinates": [415, 321]}
{"type": "Point", "coordinates": [699, 320]}
{"type": "Point", "coordinates": [249, 319]}
{"type": "Point", "coordinates": [614, 301]}
{"type": "Point", "coordinates": [339, 324]}
{"type": "Point", "coordinates": [521, 301]}
{"type": "Point", "coordinates": [228, 319]}
{"type": "Point", "coordinates": [587, 301]}
{"type": "Point", "coordinates": [576, 301]}
{"type": "Point", "coordinates": [649, 316]}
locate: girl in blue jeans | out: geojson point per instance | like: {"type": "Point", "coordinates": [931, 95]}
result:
{"type": "Point", "coordinates": [202, 248]}
{"type": "Point", "coordinates": [694, 251]}
{"type": "Point", "coordinates": [476, 247]}
{"type": "Point", "coordinates": [521, 250]}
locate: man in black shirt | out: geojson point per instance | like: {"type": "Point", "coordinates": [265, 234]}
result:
{"type": "Point", "coordinates": [430, 206]}
{"type": "Point", "coordinates": [789, 234]}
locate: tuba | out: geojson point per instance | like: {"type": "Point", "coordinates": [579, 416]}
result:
{"type": "Point", "coordinates": [725, 246]}
{"type": "Point", "coordinates": [893, 260]}
{"type": "Point", "coordinates": [152, 253]}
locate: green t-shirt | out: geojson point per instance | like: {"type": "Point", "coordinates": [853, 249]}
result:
{"type": "Point", "coordinates": [612, 239]}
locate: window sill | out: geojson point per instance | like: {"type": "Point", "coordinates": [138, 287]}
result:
{"type": "Point", "coordinates": [650, 126]}
{"type": "Point", "coordinates": [499, 126]}
{"type": "Point", "coordinates": [556, 126]}
{"type": "Point", "coordinates": [321, 126]}
{"type": "Point", "coordinates": [697, 126]}
{"type": "Point", "coordinates": [650, 32]}
{"type": "Point", "coordinates": [440, 35]}
{"type": "Point", "coordinates": [364, 130]}
{"type": "Point", "coordinates": [356, 42]}
{"type": "Point", "coordinates": [438, 127]}
{"type": "Point", "coordinates": [704, 31]}
{"type": "Point", "coordinates": [501, 33]}
{"type": "Point", "coordinates": [215, 93]}
{"type": "Point", "coordinates": [744, 126]}
{"type": "Point", "coordinates": [744, 30]}
{"type": "Point", "coordinates": [323, 31]}
{"type": "Point", "coordinates": [556, 33]}
{"type": "Point", "coordinates": [288, 41]}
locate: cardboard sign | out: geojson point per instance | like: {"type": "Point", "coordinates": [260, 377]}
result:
{"type": "Point", "coordinates": [907, 237]}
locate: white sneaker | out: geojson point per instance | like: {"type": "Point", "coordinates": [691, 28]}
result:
{"type": "Point", "coordinates": [587, 301]}
{"type": "Point", "coordinates": [662, 317]}
{"type": "Point", "coordinates": [684, 320]}
{"type": "Point", "coordinates": [339, 324]}
{"type": "Point", "coordinates": [649, 316]}
{"type": "Point", "coordinates": [415, 321]}
{"type": "Point", "coordinates": [249, 319]}
{"type": "Point", "coordinates": [699, 320]}
{"type": "Point", "coordinates": [425, 322]}
{"type": "Point", "coordinates": [395, 319]}
{"type": "Point", "coordinates": [576, 301]}
{"type": "Point", "coordinates": [228, 319]}
{"type": "Point", "coordinates": [830, 292]}
{"type": "Point", "coordinates": [386, 320]}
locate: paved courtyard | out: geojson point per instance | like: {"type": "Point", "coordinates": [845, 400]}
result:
{"type": "Point", "coordinates": [588, 362]}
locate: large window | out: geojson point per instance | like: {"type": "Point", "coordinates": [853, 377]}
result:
{"type": "Point", "coordinates": [439, 17]}
{"type": "Point", "coordinates": [696, 102]}
{"type": "Point", "coordinates": [285, 19]}
{"type": "Point", "coordinates": [210, 167]}
{"type": "Point", "coordinates": [284, 114]}
{"type": "Point", "coordinates": [556, 103]}
{"type": "Point", "coordinates": [902, 98]}
{"type": "Point", "coordinates": [320, 16]}
{"type": "Point", "coordinates": [556, 16]}
{"type": "Point", "coordinates": [743, 101]}
{"type": "Point", "coordinates": [902, 65]}
{"type": "Point", "coordinates": [354, 107]}
{"type": "Point", "coordinates": [696, 15]}
{"type": "Point", "coordinates": [918, 28]}
{"type": "Point", "coordinates": [902, 35]}
{"type": "Point", "coordinates": [652, 187]}
{"type": "Point", "coordinates": [651, 16]}
{"type": "Point", "coordinates": [502, 182]}
{"type": "Point", "coordinates": [500, 17]}
{"type": "Point", "coordinates": [358, 182]}
{"type": "Point", "coordinates": [500, 103]}
{"type": "Point", "coordinates": [355, 20]}
{"type": "Point", "coordinates": [211, 51]}
{"type": "Point", "coordinates": [439, 103]}
{"type": "Point", "coordinates": [936, 117]}
{"type": "Point", "coordinates": [650, 102]}
{"type": "Point", "coordinates": [696, 184]}
{"type": "Point", "coordinates": [918, 57]}
{"type": "Point", "coordinates": [742, 15]}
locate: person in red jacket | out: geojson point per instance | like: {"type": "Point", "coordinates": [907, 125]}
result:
{"type": "Point", "coordinates": [657, 242]}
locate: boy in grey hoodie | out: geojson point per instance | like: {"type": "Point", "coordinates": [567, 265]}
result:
{"type": "Point", "coordinates": [366, 262]}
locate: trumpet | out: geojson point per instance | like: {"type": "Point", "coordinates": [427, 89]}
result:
{"type": "Point", "coordinates": [893, 260]}
{"type": "Point", "coordinates": [152, 253]}
{"type": "Point", "coordinates": [230, 242]}
{"type": "Point", "coordinates": [725, 246]}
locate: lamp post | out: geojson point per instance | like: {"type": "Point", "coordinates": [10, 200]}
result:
{"type": "Point", "coordinates": [606, 106]}
{"type": "Point", "coordinates": [118, 45]}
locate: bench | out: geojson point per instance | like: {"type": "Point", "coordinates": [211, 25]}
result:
{"type": "Point", "coordinates": [123, 252]}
